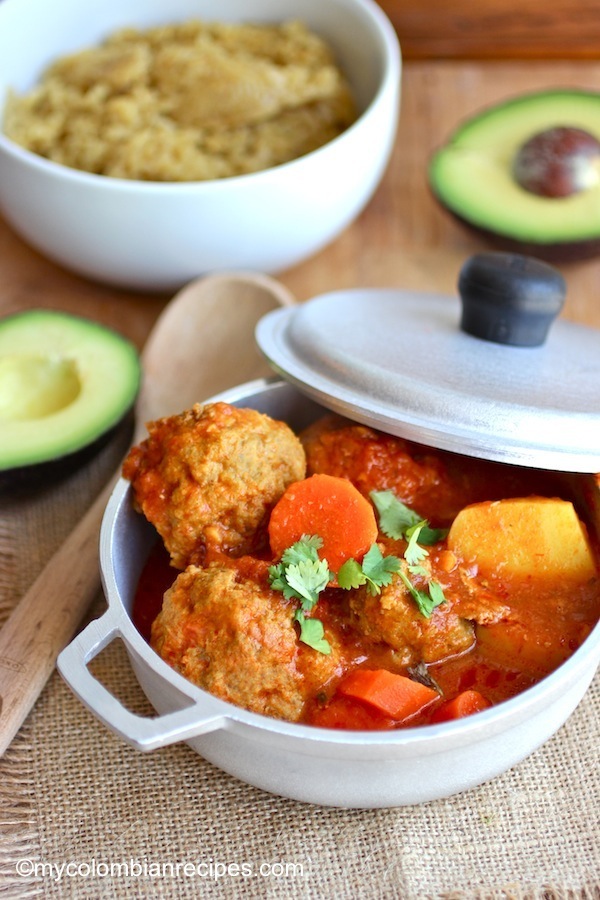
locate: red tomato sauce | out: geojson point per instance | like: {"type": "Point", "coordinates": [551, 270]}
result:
{"type": "Point", "coordinates": [544, 625]}
{"type": "Point", "coordinates": [495, 666]}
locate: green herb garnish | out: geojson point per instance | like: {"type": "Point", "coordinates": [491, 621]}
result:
{"type": "Point", "coordinates": [415, 553]}
{"type": "Point", "coordinates": [312, 633]}
{"type": "Point", "coordinates": [376, 571]}
{"type": "Point", "coordinates": [397, 521]}
{"type": "Point", "coordinates": [301, 575]}
{"type": "Point", "coordinates": [426, 600]}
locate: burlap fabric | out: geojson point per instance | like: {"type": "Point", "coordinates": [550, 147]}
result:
{"type": "Point", "coordinates": [83, 815]}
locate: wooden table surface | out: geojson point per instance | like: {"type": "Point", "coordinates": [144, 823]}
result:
{"type": "Point", "coordinates": [402, 239]}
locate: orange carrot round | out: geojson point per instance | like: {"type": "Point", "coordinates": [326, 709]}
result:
{"type": "Point", "coordinates": [329, 507]}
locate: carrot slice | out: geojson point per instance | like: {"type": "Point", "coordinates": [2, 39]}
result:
{"type": "Point", "coordinates": [329, 507]}
{"type": "Point", "coordinates": [394, 695]}
{"type": "Point", "coordinates": [348, 714]}
{"type": "Point", "coordinates": [464, 704]}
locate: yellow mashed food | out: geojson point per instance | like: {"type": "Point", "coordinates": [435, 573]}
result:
{"type": "Point", "coordinates": [186, 102]}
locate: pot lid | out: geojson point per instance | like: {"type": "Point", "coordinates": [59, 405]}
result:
{"type": "Point", "coordinates": [484, 375]}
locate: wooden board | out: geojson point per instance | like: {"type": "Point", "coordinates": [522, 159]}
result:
{"type": "Point", "coordinates": [496, 29]}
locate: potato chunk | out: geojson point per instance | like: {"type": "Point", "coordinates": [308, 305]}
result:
{"type": "Point", "coordinates": [539, 537]}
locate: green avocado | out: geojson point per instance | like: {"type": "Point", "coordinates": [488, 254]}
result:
{"type": "Point", "coordinates": [65, 382]}
{"type": "Point", "coordinates": [473, 177]}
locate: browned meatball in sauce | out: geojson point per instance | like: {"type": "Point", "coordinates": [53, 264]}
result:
{"type": "Point", "coordinates": [392, 618]}
{"type": "Point", "coordinates": [435, 483]}
{"type": "Point", "coordinates": [225, 630]}
{"type": "Point", "coordinates": [208, 478]}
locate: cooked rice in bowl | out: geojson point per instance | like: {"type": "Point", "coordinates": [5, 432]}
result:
{"type": "Point", "coordinates": [186, 102]}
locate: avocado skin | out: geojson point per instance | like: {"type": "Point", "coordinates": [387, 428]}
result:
{"type": "Point", "coordinates": [32, 477]}
{"type": "Point", "coordinates": [559, 252]}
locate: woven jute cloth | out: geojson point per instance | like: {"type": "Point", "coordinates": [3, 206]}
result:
{"type": "Point", "coordinates": [84, 815]}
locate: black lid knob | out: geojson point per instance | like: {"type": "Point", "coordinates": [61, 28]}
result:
{"type": "Point", "coordinates": [510, 299]}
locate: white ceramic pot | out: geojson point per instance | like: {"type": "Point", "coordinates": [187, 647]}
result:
{"type": "Point", "coordinates": [333, 768]}
{"type": "Point", "coordinates": [157, 236]}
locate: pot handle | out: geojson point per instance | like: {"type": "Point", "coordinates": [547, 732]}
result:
{"type": "Point", "coordinates": [141, 732]}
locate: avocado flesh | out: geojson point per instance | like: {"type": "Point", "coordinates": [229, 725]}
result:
{"type": "Point", "coordinates": [64, 382]}
{"type": "Point", "coordinates": [471, 175]}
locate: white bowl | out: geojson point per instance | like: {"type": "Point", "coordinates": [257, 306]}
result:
{"type": "Point", "coordinates": [157, 236]}
{"type": "Point", "coordinates": [316, 765]}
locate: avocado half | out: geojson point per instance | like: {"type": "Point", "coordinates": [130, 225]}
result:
{"type": "Point", "coordinates": [65, 384]}
{"type": "Point", "coordinates": [472, 177]}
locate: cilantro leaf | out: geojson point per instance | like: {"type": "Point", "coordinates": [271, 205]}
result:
{"type": "Point", "coordinates": [436, 593]}
{"type": "Point", "coordinates": [421, 598]}
{"type": "Point", "coordinates": [312, 633]}
{"type": "Point", "coordinates": [414, 553]}
{"type": "Point", "coordinates": [378, 569]}
{"type": "Point", "coordinates": [397, 520]}
{"type": "Point", "coordinates": [394, 516]}
{"type": "Point", "coordinates": [419, 570]}
{"type": "Point", "coordinates": [276, 574]}
{"type": "Point", "coordinates": [305, 548]}
{"type": "Point", "coordinates": [429, 535]}
{"type": "Point", "coordinates": [308, 578]}
{"type": "Point", "coordinates": [278, 582]}
{"type": "Point", "coordinates": [301, 575]}
{"type": "Point", "coordinates": [427, 600]}
{"type": "Point", "coordinates": [351, 575]}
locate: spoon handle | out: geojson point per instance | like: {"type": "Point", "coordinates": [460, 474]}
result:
{"type": "Point", "coordinates": [46, 618]}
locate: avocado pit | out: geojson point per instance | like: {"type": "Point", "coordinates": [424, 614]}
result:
{"type": "Point", "coordinates": [524, 175]}
{"type": "Point", "coordinates": [558, 162]}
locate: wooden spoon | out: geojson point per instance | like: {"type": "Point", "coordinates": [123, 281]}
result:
{"type": "Point", "coordinates": [201, 344]}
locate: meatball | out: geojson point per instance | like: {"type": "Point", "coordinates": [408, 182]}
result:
{"type": "Point", "coordinates": [435, 483]}
{"type": "Point", "coordinates": [375, 461]}
{"type": "Point", "coordinates": [223, 628]}
{"type": "Point", "coordinates": [208, 478]}
{"type": "Point", "coordinates": [392, 617]}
